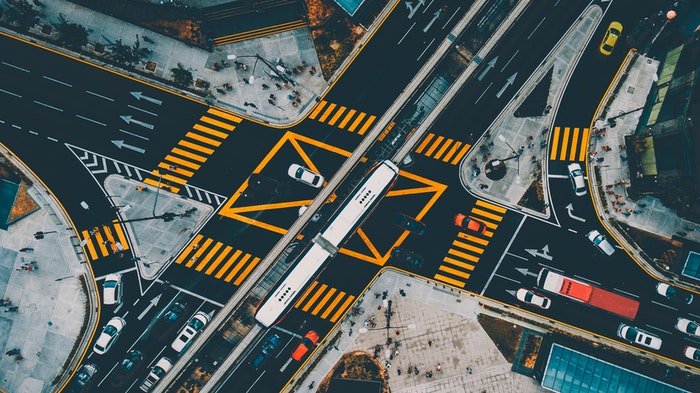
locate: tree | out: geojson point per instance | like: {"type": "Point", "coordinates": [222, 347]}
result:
{"type": "Point", "coordinates": [21, 13]}
{"type": "Point", "coordinates": [182, 76]}
{"type": "Point", "coordinates": [72, 35]}
{"type": "Point", "coordinates": [127, 55]}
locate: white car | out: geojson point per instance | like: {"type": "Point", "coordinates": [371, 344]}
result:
{"type": "Point", "coordinates": [109, 335]}
{"type": "Point", "coordinates": [687, 326]}
{"type": "Point", "coordinates": [529, 297]}
{"type": "Point", "coordinates": [577, 181]}
{"type": "Point", "coordinates": [638, 336]}
{"type": "Point", "coordinates": [193, 327]}
{"type": "Point", "coordinates": [112, 289]}
{"type": "Point", "coordinates": [601, 242]}
{"type": "Point", "coordinates": [306, 176]}
{"type": "Point", "coordinates": [163, 365]}
{"type": "Point", "coordinates": [692, 353]}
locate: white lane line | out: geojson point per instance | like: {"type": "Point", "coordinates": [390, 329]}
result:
{"type": "Point", "coordinates": [556, 3]}
{"type": "Point", "coordinates": [508, 278]}
{"type": "Point", "coordinates": [52, 139]}
{"type": "Point", "coordinates": [571, 230]}
{"type": "Point", "coordinates": [48, 106]}
{"type": "Point", "coordinates": [426, 49]}
{"type": "Point", "coordinates": [11, 93]}
{"type": "Point", "coordinates": [99, 95]}
{"type": "Point", "coordinates": [15, 67]}
{"type": "Point", "coordinates": [142, 110]}
{"type": "Point", "coordinates": [428, 6]}
{"type": "Point", "coordinates": [136, 135]}
{"type": "Point", "coordinates": [536, 27]}
{"type": "Point", "coordinates": [664, 305]}
{"type": "Point", "coordinates": [2, 121]}
{"type": "Point", "coordinates": [512, 239]}
{"type": "Point", "coordinates": [57, 81]}
{"type": "Point", "coordinates": [16, 126]}
{"type": "Point", "coordinates": [256, 381]}
{"type": "Point", "coordinates": [509, 60]}
{"type": "Point", "coordinates": [588, 280]}
{"type": "Point", "coordinates": [557, 176]}
{"type": "Point", "coordinates": [89, 119]}
{"type": "Point", "coordinates": [661, 330]}
{"type": "Point", "coordinates": [484, 92]}
{"type": "Point", "coordinates": [33, 132]}
{"type": "Point", "coordinates": [453, 15]}
{"type": "Point", "coordinates": [551, 268]}
{"type": "Point", "coordinates": [696, 316]}
{"type": "Point", "coordinates": [517, 256]}
{"type": "Point", "coordinates": [626, 293]}
{"type": "Point", "coordinates": [406, 33]}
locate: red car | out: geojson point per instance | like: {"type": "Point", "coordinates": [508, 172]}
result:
{"type": "Point", "coordinates": [309, 341]}
{"type": "Point", "coordinates": [464, 222]}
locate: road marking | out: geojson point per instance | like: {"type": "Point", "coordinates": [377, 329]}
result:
{"type": "Point", "coordinates": [696, 316]}
{"type": "Point", "coordinates": [15, 67]}
{"type": "Point", "coordinates": [453, 15]}
{"type": "Point", "coordinates": [16, 126]}
{"type": "Point", "coordinates": [89, 119]}
{"type": "Point", "coordinates": [517, 256]}
{"type": "Point", "coordinates": [551, 268]}
{"type": "Point", "coordinates": [57, 81]}
{"type": "Point", "coordinates": [406, 33]}
{"type": "Point", "coordinates": [99, 95]}
{"type": "Point", "coordinates": [200, 297]}
{"type": "Point", "coordinates": [482, 94]}
{"type": "Point", "coordinates": [557, 176]}
{"type": "Point", "coordinates": [426, 49]}
{"type": "Point", "coordinates": [428, 6]}
{"type": "Point", "coordinates": [661, 330]}
{"type": "Point", "coordinates": [556, 3]}
{"type": "Point", "coordinates": [52, 139]}
{"type": "Point", "coordinates": [256, 381]}
{"type": "Point", "coordinates": [571, 230]}
{"type": "Point", "coordinates": [512, 239]}
{"type": "Point", "coordinates": [33, 132]}
{"type": "Point", "coordinates": [511, 59]}
{"type": "Point", "coordinates": [48, 106]}
{"type": "Point", "coordinates": [589, 280]}
{"type": "Point", "coordinates": [536, 27]}
{"type": "Point", "coordinates": [664, 305]}
{"type": "Point", "coordinates": [136, 135]}
{"type": "Point", "coordinates": [11, 93]}
{"type": "Point", "coordinates": [508, 278]}
{"type": "Point", "coordinates": [626, 293]}
{"type": "Point", "coordinates": [143, 110]}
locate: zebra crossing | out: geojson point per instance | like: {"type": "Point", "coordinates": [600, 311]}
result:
{"type": "Point", "coordinates": [466, 250]}
{"type": "Point", "coordinates": [324, 301]}
{"type": "Point", "coordinates": [104, 241]}
{"type": "Point", "coordinates": [216, 259]}
{"type": "Point", "coordinates": [342, 117]}
{"type": "Point", "coordinates": [569, 144]}
{"type": "Point", "coordinates": [444, 149]}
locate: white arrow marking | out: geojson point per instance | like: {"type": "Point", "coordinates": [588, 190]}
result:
{"type": "Point", "coordinates": [120, 144]}
{"type": "Point", "coordinates": [525, 272]}
{"type": "Point", "coordinates": [544, 253]}
{"type": "Point", "coordinates": [570, 210]}
{"type": "Point", "coordinates": [129, 120]}
{"type": "Point", "coordinates": [509, 82]}
{"type": "Point", "coordinates": [489, 65]}
{"type": "Point", "coordinates": [436, 15]}
{"type": "Point", "coordinates": [152, 304]}
{"type": "Point", "coordinates": [139, 95]}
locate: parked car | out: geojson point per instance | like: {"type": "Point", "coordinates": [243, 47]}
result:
{"type": "Point", "coordinates": [110, 334]}
{"type": "Point", "coordinates": [611, 35]}
{"type": "Point", "coordinates": [692, 353]}
{"type": "Point", "coordinates": [600, 242]}
{"type": "Point", "coordinates": [529, 297]}
{"type": "Point", "coordinates": [638, 336]}
{"type": "Point", "coordinates": [410, 224]}
{"type": "Point", "coordinates": [163, 365]}
{"type": "Point", "coordinates": [112, 289]}
{"type": "Point", "coordinates": [174, 312]}
{"type": "Point", "coordinates": [687, 326]}
{"type": "Point", "coordinates": [304, 175]}
{"type": "Point", "coordinates": [268, 346]}
{"type": "Point", "coordinates": [674, 294]}
{"type": "Point", "coordinates": [132, 359]}
{"type": "Point", "coordinates": [578, 183]}
{"type": "Point", "coordinates": [83, 377]}
{"type": "Point", "coordinates": [309, 341]}
{"type": "Point", "coordinates": [465, 222]}
{"type": "Point", "coordinates": [407, 257]}
{"type": "Point", "coordinates": [187, 333]}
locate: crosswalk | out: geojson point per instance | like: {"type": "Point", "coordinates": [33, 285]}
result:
{"type": "Point", "coordinates": [261, 32]}
{"type": "Point", "coordinates": [104, 241]}
{"type": "Point", "coordinates": [324, 301]}
{"type": "Point", "coordinates": [465, 251]}
{"type": "Point", "coordinates": [217, 259]}
{"type": "Point", "coordinates": [342, 117]}
{"type": "Point", "coordinates": [193, 150]}
{"type": "Point", "coordinates": [443, 149]}
{"type": "Point", "coordinates": [569, 144]}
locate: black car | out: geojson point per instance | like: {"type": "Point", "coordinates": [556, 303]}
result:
{"type": "Point", "coordinates": [83, 378]}
{"type": "Point", "coordinates": [131, 360]}
{"type": "Point", "coordinates": [406, 257]}
{"type": "Point", "coordinates": [174, 312]}
{"type": "Point", "coordinates": [674, 294]}
{"type": "Point", "coordinates": [409, 223]}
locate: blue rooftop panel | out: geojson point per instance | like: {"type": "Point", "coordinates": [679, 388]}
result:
{"type": "Point", "coordinates": [350, 6]}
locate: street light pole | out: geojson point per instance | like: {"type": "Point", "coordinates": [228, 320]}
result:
{"type": "Point", "coordinates": [160, 179]}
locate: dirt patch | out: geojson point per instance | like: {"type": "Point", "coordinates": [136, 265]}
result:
{"type": "Point", "coordinates": [531, 350]}
{"type": "Point", "coordinates": [356, 365]}
{"type": "Point", "coordinates": [534, 197]}
{"type": "Point", "coordinates": [504, 334]}
{"type": "Point", "coordinates": [24, 204]}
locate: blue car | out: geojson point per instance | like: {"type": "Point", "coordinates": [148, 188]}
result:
{"type": "Point", "coordinates": [270, 344]}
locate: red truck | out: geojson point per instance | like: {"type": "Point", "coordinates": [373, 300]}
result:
{"type": "Point", "coordinates": [587, 293]}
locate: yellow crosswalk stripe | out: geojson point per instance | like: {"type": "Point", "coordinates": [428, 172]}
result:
{"type": "Point", "coordinates": [435, 145]}
{"type": "Point", "coordinates": [574, 142]}
{"type": "Point", "coordinates": [218, 123]}
{"type": "Point", "coordinates": [461, 154]}
{"type": "Point", "coordinates": [180, 161]}
{"type": "Point", "coordinates": [489, 215]}
{"type": "Point", "coordinates": [455, 262]}
{"type": "Point", "coordinates": [318, 109]}
{"type": "Point", "coordinates": [489, 224]}
{"type": "Point", "coordinates": [228, 263]}
{"type": "Point", "coordinates": [203, 247]}
{"type": "Point", "coordinates": [465, 246]}
{"type": "Point", "coordinates": [555, 143]}
{"type": "Point", "coordinates": [156, 183]}
{"type": "Point", "coordinates": [306, 293]}
{"type": "Point", "coordinates": [448, 280]}
{"type": "Point", "coordinates": [101, 244]}
{"type": "Point", "coordinates": [247, 271]}
{"type": "Point", "coordinates": [224, 115]}
{"type": "Point", "coordinates": [425, 142]}
{"type": "Point", "coordinates": [337, 115]}
{"type": "Point", "coordinates": [188, 249]}
{"type": "Point", "coordinates": [347, 118]}
{"type": "Point", "coordinates": [237, 268]}
{"type": "Point", "coordinates": [89, 245]}
{"type": "Point", "coordinates": [209, 256]}
{"type": "Point", "coordinates": [323, 301]}
{"type": "Point", "coordinates": [196, 147]}
{"type": "Point", "coordinates": [120, 234]}
{"type": "Point", "coordinates": [443, 149]}
{"type": "Point", "coordinates": [473, 239]}
{"type": "Point", "coordinates": [315, 297]}
{"type": "Point", "coordinates": [203, 139]}
{"type": "Point", "coordinates": [331, 306]}
{"type": "Point", "coordinates": [187, 154]}
{"type": "Point", "coordinates": [327, 113]}
{"type": "Point", "coordinates": [342, 308]}
{"type": "Point", "coordinates": [454, 272]}
{"type": "Point", "coordinates": [357, 121]}
{"type": "Point", "coordinates": [564, 144]}
{"type": "Point", "coordinates": [491, 206]}
{"type": "Point", "coordinates": [177, 170]}
{"type": "Point", "coordinates": [584, 145]}
{"type": "Point", "coordinates": [169, 177]}
{"type": "Point", "coordinates": [367, 124]}
{"type": "Point", "coordinates": [463, 255]}
{"type": "Point", "coordinates": [218, 260]}
{"type": "Point", "coordinates": [110, 239]}
{"type": "Point", "coordinates": [210, 131]}
{"type": "Point", "coordinates": [452, 151]}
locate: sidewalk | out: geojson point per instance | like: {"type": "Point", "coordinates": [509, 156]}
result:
{"type": "Point", "coordinates": [436, 326]}
{"type": "Point", "coordinates": [52, 316]}
{"type": "Point", "coordinates": [520, 143]}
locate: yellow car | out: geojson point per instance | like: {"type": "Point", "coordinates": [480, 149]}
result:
{"type": "Point", "coordinates": [611, 36]}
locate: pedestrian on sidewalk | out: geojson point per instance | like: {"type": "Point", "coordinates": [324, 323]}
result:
{"type": "Point", "coordinates": [26, 249]}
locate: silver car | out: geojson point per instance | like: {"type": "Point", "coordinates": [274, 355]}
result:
{"type": "Point", "coordinates": [577, 181]}
{"type": "Point", "coordinates": [600, 242]}
{"type": "Point", "coordinates": [304, 175]}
